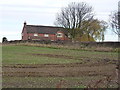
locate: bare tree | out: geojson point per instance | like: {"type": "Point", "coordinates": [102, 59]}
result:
{"type": "Point", "coordinates": [72, 17]}
{"type": "Point", "coordinates": [114, 23]}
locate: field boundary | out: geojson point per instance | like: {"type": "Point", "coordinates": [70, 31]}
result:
{"type": "Point", "coordinates": [84, 44]}
{"type": "Point", "coordinates": [88, 46]}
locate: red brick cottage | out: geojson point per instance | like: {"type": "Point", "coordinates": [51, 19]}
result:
{"type": "Point", "coordinates": [35, 32]}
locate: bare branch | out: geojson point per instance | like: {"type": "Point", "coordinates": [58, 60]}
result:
{"type": "Point", "coordinates": [114, 22]}
{"type": "Point", "coordinates": [72, 17]}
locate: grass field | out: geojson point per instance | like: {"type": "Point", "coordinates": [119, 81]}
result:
{"type": "Point", "coordinates": [40, 55]}
{"type": "Point", "coordinates": [44, 67]}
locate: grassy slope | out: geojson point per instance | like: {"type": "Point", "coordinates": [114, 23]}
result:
{"type": "Point", "coordinates": [23, 55]}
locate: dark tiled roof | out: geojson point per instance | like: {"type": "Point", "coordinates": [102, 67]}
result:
{"type": "Point", "coordinates": [44, 29]}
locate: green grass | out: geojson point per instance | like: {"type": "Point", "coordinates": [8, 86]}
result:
{"type": "Point", "coordinates": [23, 55]}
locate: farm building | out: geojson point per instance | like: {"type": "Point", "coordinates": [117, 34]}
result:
{"type": "Point", "coordinates": [38, 32]}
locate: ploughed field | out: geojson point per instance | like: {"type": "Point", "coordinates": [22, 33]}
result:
{"type": "Point", "coordinates": [43, 67]}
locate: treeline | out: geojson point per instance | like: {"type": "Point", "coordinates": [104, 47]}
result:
{"type": "Point", "coordinates": [79, 20]}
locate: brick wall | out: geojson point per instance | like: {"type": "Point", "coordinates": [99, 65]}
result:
{"type": "Point", "coordinates": [24, 34]}
{"type": "Point", "coordinates": [52, 37]}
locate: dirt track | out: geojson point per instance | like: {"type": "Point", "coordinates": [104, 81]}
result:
{"type": "Point", "coordinates": [104, 71]}
{"type": "Point", "coordinates": [59, 70]}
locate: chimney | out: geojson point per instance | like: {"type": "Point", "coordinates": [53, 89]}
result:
{"type": "Point", "coordinates": [25, 23]}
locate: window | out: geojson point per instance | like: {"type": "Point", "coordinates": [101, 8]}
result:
{"type": "Point", "coordinates": [59, 34]}
{"type": "Point", "coordinates": [29, 37]}
{"type": "Point", "coordinates": [35, 34]}
{"type": "Point", "coordinates": [46, 35]}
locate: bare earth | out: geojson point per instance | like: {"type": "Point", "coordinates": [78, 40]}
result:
{"type": "Point", "coordinates": [104, 69]}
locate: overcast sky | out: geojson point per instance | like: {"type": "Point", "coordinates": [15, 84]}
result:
{"type": "Point", "coordinates": [43, 12]}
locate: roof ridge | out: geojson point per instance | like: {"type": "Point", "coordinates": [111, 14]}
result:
{"type": "Point", "coordinates": [44, 26]}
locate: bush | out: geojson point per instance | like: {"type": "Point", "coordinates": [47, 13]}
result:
{"type": "Point", "coordinates": [4, 39]}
